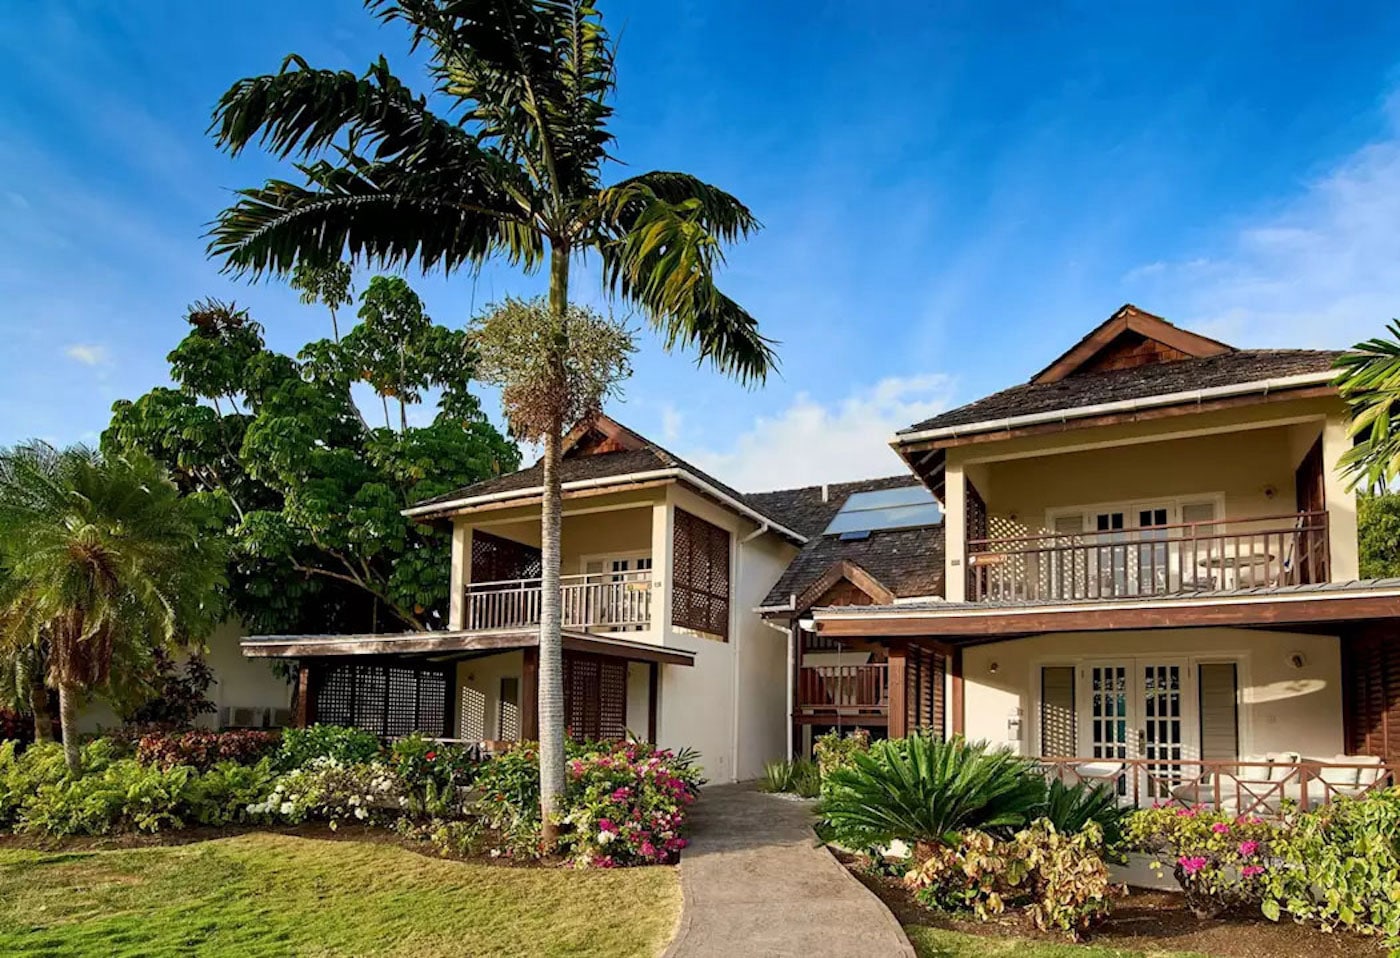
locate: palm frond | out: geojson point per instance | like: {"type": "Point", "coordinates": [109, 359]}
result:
{"type": "Point", "coordinates": [1368, 379]}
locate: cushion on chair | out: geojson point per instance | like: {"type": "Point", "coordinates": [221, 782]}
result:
{"type": "Point", "coordinates": [1282, 769]}
{"type": "Point", "coordinates": [1338, 776]}
{"type": "Point", "coordinates": [1366, 777]}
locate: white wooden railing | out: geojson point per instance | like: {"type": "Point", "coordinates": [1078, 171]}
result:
{"type": "Point", "coordinates": [606, 601]}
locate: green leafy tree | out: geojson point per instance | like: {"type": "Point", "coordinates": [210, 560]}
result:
{"type": "Point", "coordinates": [512, 168]}
{"type": "Point", "coordinates": [1378, 534]}
{"type": "Point", "coordinates": [104, 564]}
{"type": "Point", "coordinates": [308, 494]}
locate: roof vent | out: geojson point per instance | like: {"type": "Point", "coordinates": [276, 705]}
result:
{"type": "Point", "coordinates": [826, 493]}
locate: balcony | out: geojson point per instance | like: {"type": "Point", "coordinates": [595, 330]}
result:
{"type": "Point", "coordinates": [848, 691]}
{"type": "Point", "coordinates": [1190, 557]}
{"type": "Point", "coordinates": [598, 602]}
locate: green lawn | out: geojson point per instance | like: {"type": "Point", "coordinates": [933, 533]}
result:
{"type": "Point", "coordinates": [936, 943]}
{"type": "Point", "coordinates": [265, 894]}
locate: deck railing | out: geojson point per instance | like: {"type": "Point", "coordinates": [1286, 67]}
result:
{"type": "Point", "coordinates": [1161, 560]}
{"type": "Point", "coordinates": [1236, 787]}
{"type": "Point", "coordinates": [843, 689]}
{"type": "Point", "coordinates": [605, 601]}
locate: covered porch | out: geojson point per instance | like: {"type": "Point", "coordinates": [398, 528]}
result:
{"type": "Point", "coordinates": [477, 687]}
{"type": "Point", "coordinates": [1277, 699]}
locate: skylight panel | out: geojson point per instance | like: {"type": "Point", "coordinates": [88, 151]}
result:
{"type": "Point", "coordinates": [902, 508]}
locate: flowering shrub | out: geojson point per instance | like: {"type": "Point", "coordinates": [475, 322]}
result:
{"type": "Point", "coordinates": [1221, 861]}
{"type": "Point", "coordinates": [1061, 880]}
{"type": "Point", "coordinates": [432, 771]}
{"type": "Point", "coordinates": [332, 791]}
{"type": "Point", "coordinates": [348, 746]}
{"type": "Point", "coordinates": [627, 805]}
{"type": "Point", "coordinates": [834, 750]}
{"type": "Point", "coordinates": [202, 748]}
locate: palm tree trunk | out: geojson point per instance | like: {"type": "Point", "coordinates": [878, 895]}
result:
{"type": "Point", "coordinates": [551, 676]}
{"type": "Point", "coordinates": [39, 705]}
{"type": "Point", "coordinates": [68, 721]}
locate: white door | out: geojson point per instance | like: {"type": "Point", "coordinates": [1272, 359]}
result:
{"type": "Point", "coordinates": [1139, 709]}
{"type": "Point", "coordinates": [621, 604]}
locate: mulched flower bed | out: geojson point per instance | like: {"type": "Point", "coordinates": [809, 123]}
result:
{"type": "Point", "coordinates": [1144, 921]}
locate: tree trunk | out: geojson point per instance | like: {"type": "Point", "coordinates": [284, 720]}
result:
{"type": "Point", "coordinates": [551, 675]}
{"type": "Point", "coordinates": [39, 705]}
{"type": "Point", "coordinates": [68, 721]}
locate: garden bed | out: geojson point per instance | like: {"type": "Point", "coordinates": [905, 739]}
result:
{"type": "Point", "coordinates": [1145, 921]}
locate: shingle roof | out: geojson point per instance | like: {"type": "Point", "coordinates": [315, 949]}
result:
{"type": "Point", "coordinates": [908, 562]}
{"type": "Point", "coordinates": [810, 509]}
{"type": "Point", "coordinates": [1238, 366]}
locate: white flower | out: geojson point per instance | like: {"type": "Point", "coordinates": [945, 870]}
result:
{"type": "Point", "coordinates": [287, 808]}
{"type": "Point", "coordinates": [605, 837]}
{"type": "Point", "coordinates": [361, 813]}
{"type": "Point", "coordinates": [354, 799]}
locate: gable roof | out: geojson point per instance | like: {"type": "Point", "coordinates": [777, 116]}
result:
{"type": "Point", "coordinates": [905, 562]}
{"type": "Point", "coordinates": [1130, 337]}
{"type": "Point", "coordinates": [594, 453]}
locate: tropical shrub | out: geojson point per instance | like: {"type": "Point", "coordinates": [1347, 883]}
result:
{"type": "Point", "coordinates": [919, 789]}
{"type": "Point", "coordinates": [332, 791]}
{"type": "Point", "coordinates": [180, 692]}
{"type": "Point", "coordinates": [1060, 880]}
{"type": "Point", "coordinates": [1070, 808]}
{"type": "Point", "coordinates": [346, 746]}
{"type": "Point", "coordinates": [433, 773]}
{"type": "Point", "coordinates": [1219, 860]}
{"type": "Point", "coordinates": [799, 777]}
{"type": "Point", "coordinates": [834, 750]}
{"type": "Point", "coordinates": [202, 748]}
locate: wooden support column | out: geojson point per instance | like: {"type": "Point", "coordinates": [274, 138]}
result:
{"type": "Point", "coordinates": [530, 695]}
{"type": "Point", "coordinates": [955, 699]}
{"type": "Point", "coordinates": [899, 689]}
{"type": "Point", "coordinates": [653, 689]}
{"type": "Point", "coordinates": [306, 691]}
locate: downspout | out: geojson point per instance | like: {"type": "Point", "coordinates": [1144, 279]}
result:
{"type": "Point", "coordinates": [737, 635]}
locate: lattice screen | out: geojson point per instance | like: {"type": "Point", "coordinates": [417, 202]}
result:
{"type": "Point", "coordinates": [389, 700]}
{"type": "Point", "coordinates": [595, 697]}
{"type": "Point", "coordinates": [495, 559]}
{"type": "Point", "coordinates": [700, 579]}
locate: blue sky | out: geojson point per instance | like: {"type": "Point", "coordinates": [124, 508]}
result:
{"type": "Point", "coordinates": [952, 194]}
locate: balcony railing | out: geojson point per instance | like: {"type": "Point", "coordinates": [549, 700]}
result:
{"type": "Point", "coordinates": [1237, 787]}
{"type": "Point", "coordinates": [1161, 560]}
{"type": "Point", "coordinates": [843, 689]}
{"type": "Point", "coordinates": [602, 601]}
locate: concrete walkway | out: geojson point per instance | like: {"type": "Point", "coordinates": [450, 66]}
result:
{"type": "Point", "coordinates": [755, 882]}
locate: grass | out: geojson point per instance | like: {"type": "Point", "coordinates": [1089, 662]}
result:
{"type": "Point", "coordinates": [936, 943]}
{"type": "Point", "coordinates": [268, 895]}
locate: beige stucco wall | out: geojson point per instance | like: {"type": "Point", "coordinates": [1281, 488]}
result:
{"type": "Point", "coordinates": [479, 692]}
{"type": "Point", "coordinates": [1241, 453]}
{"type": "Point", "coordinates": [1281, 708]}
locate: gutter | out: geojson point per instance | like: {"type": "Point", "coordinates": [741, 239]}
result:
{"type": "Point", "coordinates": [627, 479]}
{"type": "Point", "coordinates": [1264, 386]}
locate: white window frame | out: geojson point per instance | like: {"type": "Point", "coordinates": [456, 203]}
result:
{"type": "Point", "coordinates": [1131, 507]}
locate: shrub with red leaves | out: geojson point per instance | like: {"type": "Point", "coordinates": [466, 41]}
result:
{"type": "Point", "coordinates": [202, 749]}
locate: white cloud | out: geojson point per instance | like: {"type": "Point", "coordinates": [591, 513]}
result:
{"type": "Point", "coordinates": [672, 421]}
{"type": "Point", "coordinates": [89, 354]}
{"type": "Point", "coordinates": [811, 442]}
{"type": "Point", "coordinates": [1317, 271]}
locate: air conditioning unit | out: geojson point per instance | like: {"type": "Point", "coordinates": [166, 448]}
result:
{"type": "Point", "coordinates": [281, 718]}
{"type": "Point", "coordinates": [239, 717]}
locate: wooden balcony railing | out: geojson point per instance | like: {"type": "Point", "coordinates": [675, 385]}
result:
{"type": "Point", "coordinates": [605, 601]}
{"type": "Point", "coordinates": [1161, 560]}
{"type": "Point", "coordinates": [1266, 789]}
{"type": "Point", "coordinates": [843, 689]}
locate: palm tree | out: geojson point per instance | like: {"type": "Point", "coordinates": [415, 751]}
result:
{"type": "Point", "coordinates": [1369, 380]}
{"type": "Point", "coordinates": [104, 562]}
{"type": "Point", "coordinates": [512, 169]}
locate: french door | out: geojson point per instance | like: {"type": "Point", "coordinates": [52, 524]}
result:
{"type": "Point", "coordinates": [1139, 709]}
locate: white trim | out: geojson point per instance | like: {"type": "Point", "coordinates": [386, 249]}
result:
{"type": "Point", "coordinates": [1129, 506]}
{"type": "Point", "coordinates": [956, 609]}
{"type": "Point", "coordinates": [1123, 405]}
{"type": "Point", "coordinates": [623, 480]}
{"type": "Point", "coordinates": [627, 555]}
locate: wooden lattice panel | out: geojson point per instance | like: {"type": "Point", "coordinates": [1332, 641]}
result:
{"type": "Point", "coordinates": [700, 576]}
{"type": "Point", "coordinates": [495, 559]}
{"type": "Point", "coordinates": [388, 700]}
{"type": "Point", "coordinates": [595, 697]}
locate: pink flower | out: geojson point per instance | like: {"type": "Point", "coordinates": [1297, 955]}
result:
{"type": "Point", "coordinates": [1249, 848]}
{"type": "Point", "coordinates": [1191, 865]}
{"type": "Point", "coordinates": [1185, 812]}
{"type": "Point", "coordinates": [606, 825]}
{"type": "Point", "coordinates": [1249, 871]}
{"type": "Point", "coordinates": [1220, 828]}
{"type": "Point", "coordinates": [648, 850]}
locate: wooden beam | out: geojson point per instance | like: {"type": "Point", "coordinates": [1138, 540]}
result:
{"type": "Point", "coordinates": [1167, 614]}
{"type": "Point", "coordinates": [955, 697]}
{"type": "Point", "coordinates": [653, 688]}
{"type": "Point", "coordinates": [534, 500]}
{"type": "Point", "coordinates": [899, 690]}
{"type": "Point", "coordinates": [530, 696]}
{"type": "Point", "coordinates": [306, 706]}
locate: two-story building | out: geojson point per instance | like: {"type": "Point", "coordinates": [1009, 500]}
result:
{"type": "Point", "coordinates": [1151, 573]}
{"type": "Point", "coordinates": [1139, 566]}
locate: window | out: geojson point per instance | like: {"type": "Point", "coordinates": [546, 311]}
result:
{"type": "Point", "coordinates": [700, 580]}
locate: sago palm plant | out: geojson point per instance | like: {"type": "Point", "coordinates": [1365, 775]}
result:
{"type": "Point", "coordinates": [920, 789]}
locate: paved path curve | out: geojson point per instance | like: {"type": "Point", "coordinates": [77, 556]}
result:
{"type": "Point", "coordinates": [755, 882]}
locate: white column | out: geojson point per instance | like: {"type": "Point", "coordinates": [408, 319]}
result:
{"type": "Point", "coordinates": [1341, 503]}
{"type": "Point", "coordinates": [461, 574]}
{"type": "Point", "coordinates": [662, 562]}
{"type": "Point", "coordinates": [955, 533]}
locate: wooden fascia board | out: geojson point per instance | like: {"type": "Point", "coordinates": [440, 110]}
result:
{"type": "Point", "coordinates": [1143, 323]}
{"type": "Point", "coordinates": [1253, 614]}
{"type": "Point", "coordinates": [358, 646]}
{"type": "Point", "coordinates": [852, 573]}
{"type": "Point", "coordinates": [1117, 419]}
{"type": "Point", "coordinates": [535, 500]}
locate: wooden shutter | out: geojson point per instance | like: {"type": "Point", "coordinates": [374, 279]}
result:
{"type": "Point", "coordinates": [595, 697]}
{"type": "Point", "coordinates": [1059, 736]}
{"type": "Point", "coordinates": [700, 576]}
{"type": "Point", "coordinates": [1371, 693]}
{"type": "Point", "coordinates": [1217, 684]}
